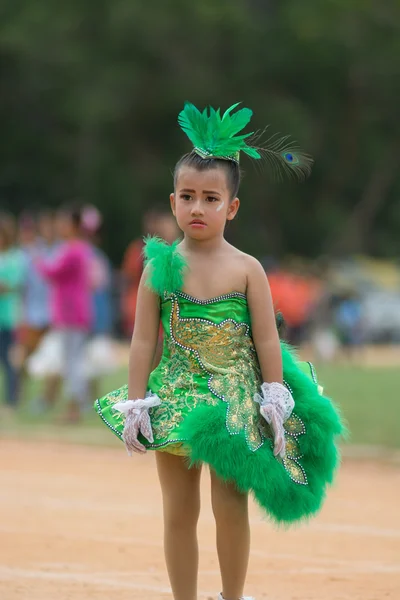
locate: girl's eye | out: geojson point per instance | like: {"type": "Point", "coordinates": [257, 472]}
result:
{"type": "Point", "coordinates": [212, 199]}
{"type": "Point", "coordinates": [186, 197]}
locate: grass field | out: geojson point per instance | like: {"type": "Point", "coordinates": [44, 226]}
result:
{"type": "Point", "coordinates": [369, 401]}
{"type": "Point", "coordinates": [368, 398]}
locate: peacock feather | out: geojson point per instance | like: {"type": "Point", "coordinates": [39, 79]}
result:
{"type": "Point", "coordinates": [283, 155]}
{"type": "Point", "coordinates": [216, 136]}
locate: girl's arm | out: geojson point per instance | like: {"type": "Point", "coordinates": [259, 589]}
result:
{"type": "Point", "coordinates": [264, 330]}
{"type": "Point", "coordinates": [55, 269]}
{"type": "Point", "coordinates": [13, 278]}
{"type": "Point", "coordinates": [144, 340]}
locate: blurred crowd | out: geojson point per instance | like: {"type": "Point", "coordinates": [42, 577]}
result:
{"type": "Point", "coordinates": [63, 305]}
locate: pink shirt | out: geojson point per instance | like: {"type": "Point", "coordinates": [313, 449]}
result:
{"type": "Point", "coordinates": [70, 285]}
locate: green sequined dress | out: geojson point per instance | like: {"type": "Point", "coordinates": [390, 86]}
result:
{"type": "Point", "coordinates": [206, 381]}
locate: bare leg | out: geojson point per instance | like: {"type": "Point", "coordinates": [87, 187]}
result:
{"type": "Point", "coordinates": [75, 380]}
{"type": "Point", "coordinates": [51, 390]}
{"type": "Point", "coordinates": [230, 509]}
{"type": "Point", "coordinates": [181, 503]}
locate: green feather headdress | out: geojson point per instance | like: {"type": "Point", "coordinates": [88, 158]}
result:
{"type": "Point", "coordinates": [216, 136]}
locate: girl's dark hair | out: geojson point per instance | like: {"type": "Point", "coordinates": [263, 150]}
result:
{"type": "Point", "coordinates": [46, 213]}
{"type": "Point", "coordinates": [231, 168]}
{"type": "Point", "coordinates": [74, 212]}
{"type": "Point", "coordinates": [5, 235]}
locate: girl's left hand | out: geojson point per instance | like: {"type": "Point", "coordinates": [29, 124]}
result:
{"type": "Point", "coordinates": [276, 406]}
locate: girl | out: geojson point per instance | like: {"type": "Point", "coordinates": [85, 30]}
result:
{"type": "Point", "coordinates": [226, 392]}
{"type": "Point", "coordinates": [12, 276]}
{"type": "Point", "coordinates": [69, 276]}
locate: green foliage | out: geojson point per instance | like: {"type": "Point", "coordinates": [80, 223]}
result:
{"type": "Point", "coordinates": [90, 93]}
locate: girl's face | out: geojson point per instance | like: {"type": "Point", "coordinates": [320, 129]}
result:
{"type": "Point", "coordinates": [64, 226]}
{"type": "Point", "coordinates": [27, 234]}
{"type": "Point", "coordinates": [46, 228]}
{"type": "Point", "coordinates": [3, 241]}
{"type": "Point", "coordinates": [201, 202]}
{"type": "Point", "coordinates": [167, 228]}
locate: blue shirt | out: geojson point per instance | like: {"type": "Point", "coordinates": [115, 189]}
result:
{"type": "Point", "coordinates": [12, 273]}
{"type": "Point", "coordinates": [36, 293]}
{"type": "Point", "coordinates": [102, 300]}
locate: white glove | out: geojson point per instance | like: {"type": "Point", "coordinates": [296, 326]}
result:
{"type": "Point", "coordinates": [137, 421]}
{"type": "Point", "coordinates": [276, 405]}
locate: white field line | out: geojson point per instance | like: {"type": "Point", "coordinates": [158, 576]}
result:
{"type": "Point", "coordinates": [15, 574]}
{"type": "Point", "coordinates": [363, 530]}
{"type": "Point", "coordinates": [327, 562]}
{"type": "Point", "coordinates": [371, 567]}
{"type": "Point", "coordinates": [143, 510]}
{"type": "Point", "coordinates": [11, 574]}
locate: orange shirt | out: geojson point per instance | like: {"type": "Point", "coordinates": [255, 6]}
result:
{"type": "Point", "coordinates": [132, 269]}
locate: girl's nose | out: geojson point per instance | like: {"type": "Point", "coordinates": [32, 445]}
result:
{"type": "Point", "coordinates": [197, 207]}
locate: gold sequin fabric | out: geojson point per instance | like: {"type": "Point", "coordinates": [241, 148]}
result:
{"type": "Point", "coordinates": [222, 353]}
{"type": "Point", "coordinates": [208, 359]}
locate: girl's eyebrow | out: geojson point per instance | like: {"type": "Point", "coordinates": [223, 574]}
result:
{"type": "Point", "coordinates": [211, 192]}
{"type": "Point", "coordinates": [204, 192]}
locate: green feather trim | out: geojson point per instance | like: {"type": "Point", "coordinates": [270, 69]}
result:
{"type": "Point", "coordinates": [259, 472]}
{"type": "Point", "coordinates": [214, 136]}
{"type": "Point", "coordinates": [166, 265]}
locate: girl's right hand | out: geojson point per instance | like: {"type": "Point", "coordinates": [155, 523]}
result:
{"type": "Point", "coordinates": [137, 421]}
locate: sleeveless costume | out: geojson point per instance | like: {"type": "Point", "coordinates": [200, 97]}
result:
{"type": "Point", "coordinates": [206, 381]}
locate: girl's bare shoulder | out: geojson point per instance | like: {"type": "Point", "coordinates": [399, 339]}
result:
{"type": "Point", "coordinates": [246, 261]}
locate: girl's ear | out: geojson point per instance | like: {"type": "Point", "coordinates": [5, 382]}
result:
{"type": "Point", "coordinates": [172, 202]}
{"type": "Point", "coordinates": [233, 209]}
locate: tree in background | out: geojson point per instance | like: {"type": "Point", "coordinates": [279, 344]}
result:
{"type": "Point", "coordinates": [90, 92]}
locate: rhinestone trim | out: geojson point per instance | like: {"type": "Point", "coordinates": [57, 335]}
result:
{"type": "Point", "coordinates": [298, 457]}
{"type": "Point", "coordinates": [296, 461]}
{"type": "Point", "coordinates": [285, 383]}
{"type": "Point", "coordinates": [173, 299]}
{"type": "Point", "coordinates": [167, 443]}
{"type": "Point", "coordinates": [313, 373]}
{"type": "Point", "coordinates": [211, 300]}
{"type": "Point", "coordinates": [203, 153]}
{"type": "Point", "coordinates": [119, 434]}
{"type": "Point", "coordinates": [237, 325]}
{"type": "Point", "coordinates": [100, 413]}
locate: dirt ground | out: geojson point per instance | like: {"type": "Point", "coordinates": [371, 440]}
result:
{"type": "Point", "coordinates": [81, 523]}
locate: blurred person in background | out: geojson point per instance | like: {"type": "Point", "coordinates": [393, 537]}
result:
{"type": "Point", "coordinates": [36, 304]}
{"type": "Point", "coordinates": [294, 296]}
{"type": "Point", "coordinates": [167, 228]}
{"type": "Point", "coordinates": [156, 221]}
{"type": "Point", "coordinates": [9, 223]}
{"type": "Point", "coordinates": [101, 357]}
{"type": "Point", "coordinates": [101, 273]}
{"type": "Point", "coordinates": [68, 274]}
{"type": "Point", "coordinates": [27, 231]}
{"type": "Point", "coordinates": [323, 336]}
{"type": "Point", "coordinates": [348, 318]}
{"type": "Point", "coordinates": [12, 273]}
